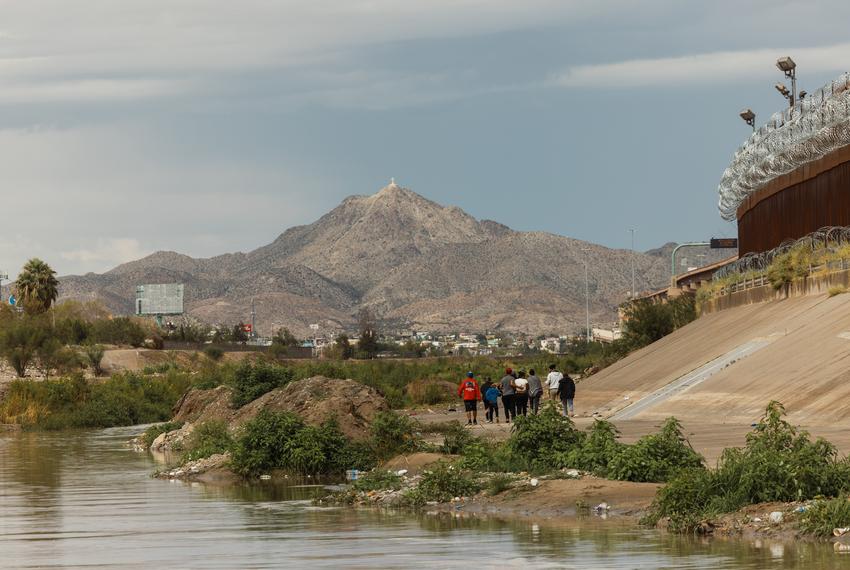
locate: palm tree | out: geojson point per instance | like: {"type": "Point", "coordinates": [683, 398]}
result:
{"type": "Point", "coordinates": [37, 287]}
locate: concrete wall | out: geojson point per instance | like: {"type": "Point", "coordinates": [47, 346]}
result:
{"type": "Point", "coordinates": [817, 284]}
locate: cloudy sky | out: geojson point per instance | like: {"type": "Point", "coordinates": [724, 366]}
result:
{"type": "Point", "coordinates": [209, 126]}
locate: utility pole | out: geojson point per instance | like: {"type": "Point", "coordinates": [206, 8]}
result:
{"type": "Point", "coordinates": [253, 320]}
{"type": "Point", "coordinates": [587, 296]}
{"type": "Point", "coordinates": [3, 275]}
{"type": "Point", "coordinates": [633, 295]}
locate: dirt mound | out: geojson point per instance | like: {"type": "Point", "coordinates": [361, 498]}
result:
{"type": "Point", "coordinates": [204, 405]}
{"type": "Point", "coordinates": [315, 400]}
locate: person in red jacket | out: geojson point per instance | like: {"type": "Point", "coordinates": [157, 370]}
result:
{"type": "Point", "coordinates": [469, 391]}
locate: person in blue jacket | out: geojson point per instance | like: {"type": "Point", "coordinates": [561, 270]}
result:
{"type": "Point", "coordinates": [491, 396]}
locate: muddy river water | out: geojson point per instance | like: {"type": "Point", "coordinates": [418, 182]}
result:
{"type": "Point", "coordinates": [87, 500]}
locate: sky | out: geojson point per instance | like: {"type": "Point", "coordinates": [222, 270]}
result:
{"type": "Point", "coordinates": [208, 127]}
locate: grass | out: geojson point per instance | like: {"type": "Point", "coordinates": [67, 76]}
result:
{"type": "Point", "coordinates": [378, 480]}
{"type": "Point", "coordinates": [824, 515]}
{"type": "Point", "coordinates": [207, 439]}
{"type": "Point", "coordinates": [837, 290]}
{"type": "Point", "coordinates": [441, 484]}
{"type": "Point", "coordinates": [499, 483]}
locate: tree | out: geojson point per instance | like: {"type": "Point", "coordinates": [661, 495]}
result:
{"type": "Point", "coordinates": [94, 354]}
{"type": "Point", "coordinates": [285, 337]}
{"type": "Point", "coordinates": [368, 341]}
{"type": "Point", "coordinates": [344, 346]}
{"type": "Point", "coordinates": [37, 287]}
{"type": "Point", "coordinates": [239, 334]}
{"type": "Point", "coordinates": [20, 341]}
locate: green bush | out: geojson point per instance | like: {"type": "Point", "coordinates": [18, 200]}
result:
{"type": "Point", "coordinates": [207, 439]}
{"type": "Point", "coordinates": [499, 483]}
{"type": "Point", "coordinates": [778, 463]}
{"type": "Point", "coordinates": [281, 440]}
{"type": "Point", "coordinates": [94, 356]}
{"type": "Point", "coordinates": [72, 402]}
{"type": "Point", "coordinates": [597, 451]}
{"type": "Point", "coordinates": [393, 434]}
{"type": "Point", "coordinates": [377, 480]}
{"type": "Point", "coordinates": [456, 439]}
{"type": "Point", "coordinates": [823, 515]}
{"type": "Point", "coordinates": [252, 380]}
{"type": "Point", "coordinates": [441, 484]}
{"type": "Point", "coordinates": [490, 457]}
{"type": "Point", "coordinates": [544, 440]}
{"type": "Point", "coordinates": [118, 330]}
{"type": "Point", "coordinates": [655, 458]}
{"type": "Point", "coordinates": [214, 353]}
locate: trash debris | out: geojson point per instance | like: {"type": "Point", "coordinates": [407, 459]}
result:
{"type": "Point", "coordinates": [401, 472]}
{"type": "Point", "coordinates": [534, 482]}
{"type": "Point", "coordinates": [265, 477]}
{"type": "Point", "coordinates": [776, 517]}
{"type": "Point", "coordinates": [840, 531]}
{"type": "Point", "coordinates": [601, 508]}
{"type": "Point", "coordinates": [800, 509]}
{"type": "Point", "coordinates": [351, 475]}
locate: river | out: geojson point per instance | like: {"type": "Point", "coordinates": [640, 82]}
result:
{"type": "Point", "coordinates": [87, 500]}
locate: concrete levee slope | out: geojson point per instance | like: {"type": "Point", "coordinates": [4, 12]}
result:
{"type": "Point", "coordinates": [804, 363]}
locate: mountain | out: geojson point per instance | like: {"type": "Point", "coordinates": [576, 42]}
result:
{"type": "Point", "coordinates": [414, 263]}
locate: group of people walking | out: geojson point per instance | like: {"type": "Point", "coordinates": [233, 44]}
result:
{"type": "Point", "coordinates": [518, 392]}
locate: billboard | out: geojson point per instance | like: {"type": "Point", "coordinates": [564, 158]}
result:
{"type": "Point", "coordinates": [159, 299]}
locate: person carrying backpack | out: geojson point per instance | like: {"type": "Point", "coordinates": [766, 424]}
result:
{"type": "Point", "coordinates": [567, 393]}
{"type": "Point", "coordinates": [469, 391]}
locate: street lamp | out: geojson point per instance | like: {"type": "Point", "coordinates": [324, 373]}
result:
{"type": "Point", "coordinates": [749, 118]}
{"type": "Point", "coordinates": [586, 294]}
{"type": "Point", "coordinates": [787, 66]}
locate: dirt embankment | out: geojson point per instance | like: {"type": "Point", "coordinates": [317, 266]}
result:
{"type": "Point", "coordinates": [315, 400]}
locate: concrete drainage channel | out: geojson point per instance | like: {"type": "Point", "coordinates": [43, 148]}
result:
{"type": "Point", "coordinates": [691, 379]}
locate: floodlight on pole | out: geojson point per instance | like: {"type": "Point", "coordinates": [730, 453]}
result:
{"type": "Point", "coordinates": [749, 118]}
{"type": "Point", "coordinates": [787, 66]}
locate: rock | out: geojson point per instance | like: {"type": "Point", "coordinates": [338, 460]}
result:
{"type": "Point", "coordinates": [776, 517]}
{"type": "Point", "coordinates": [572, 473]}
{"type": "Point", "coordinates": [401, 472]}
{"type": "Point", "coordinates": [534, 482]}
{"type": "Point", "coordinates": [840, 531]}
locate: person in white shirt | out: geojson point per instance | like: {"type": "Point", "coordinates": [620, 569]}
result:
{"type": "Point", "coordinates": [552, 381]}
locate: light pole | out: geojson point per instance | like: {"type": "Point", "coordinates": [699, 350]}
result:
{"type": "Point", "coordinates": [587, 295]}
{"type": "Point", "coordinates": [749, 118]}
{"type": "Point", "coordinates": [787, 66]}
{"type": "Point", "coordinates": [3, 275]}
{"type": "Point", "coordinates": [633, 295]}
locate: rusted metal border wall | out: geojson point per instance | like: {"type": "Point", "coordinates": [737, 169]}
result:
{"type": "Point", "coordinates": [796, 211]}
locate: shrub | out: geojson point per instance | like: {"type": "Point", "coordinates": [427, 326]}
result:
{"type": "Point", "coordinates": [837, 290]}
{"type": "Point", "coordinates": [207, 439]}
{"type": "Point", "coordinates": [442, 484]}
{"type": "Point", "coordinates": [280, 440]}
{"type": "Point", "coordinates": [597, 451]}
{"type": "Point", "coordinates": [72, 402]}
{"type": "Point", "coordinates": [155, 431]}
{"type": "Point", "coordinates": [376, 480]}
{"type": "Point", "coordinates": [214, 353]}
{"type": "Point", "coordinates": [655, 458]}
{"type": "Point", "coordinates": [824, 515]}
{"type": "Point", "coordinates": [265, 442]}
{"type": "Point", "coordinates": [778, 463]}
{"type": "Point", "coordinates": [499, 483]}
{"type": "Point", "coordinates": [393, 434]}
{"type": "Point", "coordinates": [456, 439]}
{"type": "Point", "coordinates": [251, 381]}
{"type": "Point", "coordinates": [94, 356]}
{"type": "Point", "coordinates": [542, 441]}
{"type": "Point", "coordinates": [489, 457]}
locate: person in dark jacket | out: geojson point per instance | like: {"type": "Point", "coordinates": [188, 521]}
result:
{"type": "Point", "coordinates": [567, 393]}
{"type": "Point", "coordinates": [506, 384]}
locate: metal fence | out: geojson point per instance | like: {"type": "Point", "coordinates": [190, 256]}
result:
{"type": "Point", "coordinates": [811, 129]}
{"type": "Point", "coordinates": [828, 239]}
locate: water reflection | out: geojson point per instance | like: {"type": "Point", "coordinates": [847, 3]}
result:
{"type": "Point", "coordinates": [84, 499]}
